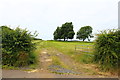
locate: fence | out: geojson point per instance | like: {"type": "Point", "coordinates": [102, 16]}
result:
{"type": "Point", "coordinates": [86, 49]}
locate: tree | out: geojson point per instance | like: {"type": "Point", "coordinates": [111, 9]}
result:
{"type": "Point", "coordinates": [71, 32]}
{"type": "Point", "coordinates": [85, 33]}
{"type": "Point", "coordinates": [64, 32]}
{"type": "Point", "coordinates": [57, 33]}
{"type": "Point", "coordinates": [71, 35]}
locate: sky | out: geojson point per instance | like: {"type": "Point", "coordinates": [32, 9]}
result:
{"type": "Point", "coordinates": [44, 16]}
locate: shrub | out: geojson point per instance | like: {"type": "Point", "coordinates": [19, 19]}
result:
{"type": "Point", "coordinates": [17, 47]}
{"type": "Point", "coordinates": [107, 49]}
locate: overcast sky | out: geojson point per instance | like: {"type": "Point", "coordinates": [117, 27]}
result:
{"type": "Point", "coordinates": [44, 16]}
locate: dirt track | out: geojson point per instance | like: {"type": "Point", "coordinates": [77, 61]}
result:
{"type": "Point", "coordinates": [43, 72]}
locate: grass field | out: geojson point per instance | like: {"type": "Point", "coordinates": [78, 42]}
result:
{"type": "Point", "coordinates": [67, 48]}
{"type": "Point", "coordinates": [80, 60]}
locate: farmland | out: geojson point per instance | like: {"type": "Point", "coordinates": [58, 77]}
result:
{"type": "Point", "coordinates": [67, 48]}
{"type": "Point", "coordinates": [57, 54]}
{"type": "Point", "coordinates": [59, 59]}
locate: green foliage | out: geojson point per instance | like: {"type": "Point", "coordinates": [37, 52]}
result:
{"type": "Point", "coordinates": [71, 35]}
{"type": "Point", "coordinates": [17, 47]}
{"type": "Point", "coordinates": [64, 32]}
{"type": "Point", "coordinates": [84, 33]}
{"type": "Point", "coordinates": [107, 49]}
{"type": "Point", "coordinates": [57, 33]}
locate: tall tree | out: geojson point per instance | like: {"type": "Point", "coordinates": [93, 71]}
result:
{"type": "Point", "coordinates": [67, 31]}
{"type": "Point", "coordinates": [84, 33]}
{"type": "Point", "coordinates": [64, 32]}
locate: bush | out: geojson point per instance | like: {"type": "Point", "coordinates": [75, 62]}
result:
{"type": "Point", "coordinates": [107, 49]}
{"type": "Point", "coordinates": [17, 47]}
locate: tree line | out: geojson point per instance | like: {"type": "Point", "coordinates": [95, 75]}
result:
{"type": "Point", "coordinates": [66, 32]}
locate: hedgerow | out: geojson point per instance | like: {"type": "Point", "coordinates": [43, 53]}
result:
{"type": "Point", "coordinates": [107, 49]}
{"type": "Point", "coordinates": [17, 47]}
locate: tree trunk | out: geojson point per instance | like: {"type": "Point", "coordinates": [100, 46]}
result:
{"type": "Point", "coordinates": [83, 39]}
{"type": "Point", "coordinates": [64, 39]}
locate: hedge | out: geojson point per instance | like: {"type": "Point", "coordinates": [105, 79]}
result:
{"type": "Point", "coordinates": [17, 47]}
{"type": "Point", "coordinates": [107, 49]}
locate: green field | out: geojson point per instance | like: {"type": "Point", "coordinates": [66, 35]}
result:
{"type": "Point", "coordinates": [67, 48]}
{"type": "Point", "coordinates": [79, 61]}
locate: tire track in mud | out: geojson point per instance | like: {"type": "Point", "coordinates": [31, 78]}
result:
{"type": "Point", "coordinates": [44, 60]}
{"type": "Point", "coordinates": [65, 60]}
{"type": "Point", "coordinates": [46, 63]}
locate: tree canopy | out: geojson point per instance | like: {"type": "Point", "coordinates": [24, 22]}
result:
{"type": "Point", "coordinates": [64, 32]}
{"type": "Point", "coordinates": [57, 33]}
{"type": "Point", "coordinates": [84, 33]}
